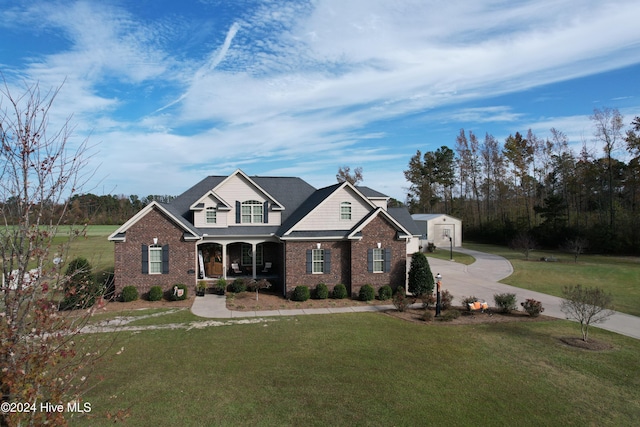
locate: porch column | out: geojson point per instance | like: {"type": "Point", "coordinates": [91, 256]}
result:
{"type": "Point", "coordinates": [253, 259]}
{"type": "Point", "coordinates": [224, 261]}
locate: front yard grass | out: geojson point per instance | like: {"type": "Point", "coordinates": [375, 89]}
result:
{"type": "Point", "coordinates": [367, 369]}
{"type": "Point", "coordinates": [616, 274]}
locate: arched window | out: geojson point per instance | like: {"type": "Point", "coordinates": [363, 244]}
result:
{"type": "Point", "coordinates": [345, 210]}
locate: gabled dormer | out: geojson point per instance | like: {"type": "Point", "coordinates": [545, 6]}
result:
{"type": "Point", "coordinates": [210, 211]}
{"type": "Point", "coordinates": [247, 202]}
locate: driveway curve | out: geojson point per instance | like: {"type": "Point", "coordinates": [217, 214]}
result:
{"type": "Point", "coordinates": [481, 279]}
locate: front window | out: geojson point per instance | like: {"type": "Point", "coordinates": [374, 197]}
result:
{"type": "Point", "coordinates": [378, 260]}
{"type": "Point", "coordinates": [211, 215]}
{"type": "Point", "coordinates": [155, 259]}
{"type": "Point", "coordinates": [251, 212]}
{"type": "Point", "coordinates": [317, 258]}
{"type": "Point", "coordinates": [345, 210]}
{"type": "Point", "coordinates": [247, 253]}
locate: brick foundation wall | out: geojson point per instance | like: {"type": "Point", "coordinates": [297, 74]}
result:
{"type": "Point", "coordinates": [128, 255]}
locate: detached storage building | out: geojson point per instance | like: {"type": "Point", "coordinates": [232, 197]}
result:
{"type": "Point", "coordinates": [437, 229]}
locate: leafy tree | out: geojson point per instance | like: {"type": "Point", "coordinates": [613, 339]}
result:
{"type": "Point", "coordinates": [420, 277]}
{"type": "Point", "coordinates": [41, 352]}
{"type": "Point", "coordinates": [586, 305]}
{"type": "Point", "coordinates": [344, 174]}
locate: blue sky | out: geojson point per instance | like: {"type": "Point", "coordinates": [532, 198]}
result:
{"type": "Point", "coordinates": [170, 92]}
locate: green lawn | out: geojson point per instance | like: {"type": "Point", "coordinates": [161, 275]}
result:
{"type": "Point", "coordinates": [92, 244]}
{"type": "Point", "coordinates": [618, 275]}
{"type": "Point", "coordinates": [368, 369]}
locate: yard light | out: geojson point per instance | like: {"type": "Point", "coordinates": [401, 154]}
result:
{"type": "Point", "coordinates": [438, 302]}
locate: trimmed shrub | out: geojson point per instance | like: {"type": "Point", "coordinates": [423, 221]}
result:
{"type": "Point", "coordinates": [155, 293]}
{"type": "Point", "coordinates": [175, 292]}
{"type": "Point", "coordinates": [301, 293]}
{"type": "Point", "coordinates": [385, 293]}
{"type": "Point", "coordinates": [505, 302]}
{"type": "Point", "coordinates": [129, 293]}
{"type": "Point", "coordinates": [238, 286]}
{"type": "Point", "coordinates": [322, 292]}
{"type": "Point", "coordinates": [533, 307]}
{"type": "Point", "coordinates": [445, 300]}
{"type": "Point", "coordinates": [367, 293]}
{"type": "Point", "coordinates": [339, 291]}
{"type": "Point", "coordinates": [420, 278]}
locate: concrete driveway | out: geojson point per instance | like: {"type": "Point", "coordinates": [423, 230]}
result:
{"type": "Point", "coordinates": [480, 279]}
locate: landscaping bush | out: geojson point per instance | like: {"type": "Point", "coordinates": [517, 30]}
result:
{"type": "Point", "coordinates": [445, 300]}
{"type": "Point", "coordinates": [301, 293]}
{"type": "Point", "coordinates": [468, 300]}
{"type": "Point", "coordinates": [238, 286]}
{"type": "Point", "coordinates": [155, 293]}
{"type": "Point", "coordinates": [450, 315]}
{"type": "Point", "coordinates": [385, 293]}
{"type": "Point", "coordinates": [533, 307]}
{"type": "Point", "coordinates": [175, 292]}
{"type": "Point", "coordinates": [427, 316]}
{"type": "Point", "coordinates": [105, 278]}
{"type": "Point", "coordinates": [129, 293]}
{"type": "Point", "coordinates": [81, 288]}
{"type": "Point", "coordinates": [428, 300]}
{"type": "Point", "coordinates": [322, 292]}
{"type": "Point", "coordinates": [367, 293]}
{"type": "Point", "coordinates": [505, 302]}
{"type": "Point", "coordinates": [400, 300]}
{"type": "Point", "coordinates": [339, 291]}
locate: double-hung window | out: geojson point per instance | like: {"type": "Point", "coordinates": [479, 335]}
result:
{"type": "Point", "coordinates": [252, 212]}
{"type": "Point", "coordinates": [155, 259]}
{"type": "Point", "coordinates": [211, 215]}
{"type": "Point", "coordinates": [317, 257]}
{"type": "Point", "coordinates": [345, 210]}
{"type": "Point", "coordinates": [247, 255]}
{"type": "Point", "coordinates": [378, 260]}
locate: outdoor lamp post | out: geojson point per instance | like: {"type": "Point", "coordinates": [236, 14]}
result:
{"type": "Point", "coordinates": [450, 248]}
{"type": "Point", "coordinates": [438, 303]}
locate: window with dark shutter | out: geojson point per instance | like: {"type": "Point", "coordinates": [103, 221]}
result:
{"type": "Point", "coordinates": [387, 260]}
{"type": "Point", "coordinates": [327, 261]}
{"type": "Point", "coordinates": [165, 259]}
{"type": "Point", "coordinates": [145, 259]}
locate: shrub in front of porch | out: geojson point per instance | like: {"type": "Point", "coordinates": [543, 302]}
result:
{"type": "Point", "coordinates": [385, 293]}
{"type": "Point", "coordinates": [367, 293]}
{"type": "Point", "coordinates": [322, 292]}
{"type": "Point", "coordinates": [339, 291]}
{"type": "Point", "coordinates": [237, 286]}
{"type": "Point", "coordinates": [129, 293]}
{"type": "Point", "coordinates": [301, 293]}
{"type": "Point", "coordinates": [155, 293]}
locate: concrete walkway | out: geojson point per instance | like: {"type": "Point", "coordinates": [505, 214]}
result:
{"type": "Point", "coordinates": [479, 279]}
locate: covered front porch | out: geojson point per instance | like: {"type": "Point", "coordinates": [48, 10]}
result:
{"type": "Point", "coordinates": [245, 259]}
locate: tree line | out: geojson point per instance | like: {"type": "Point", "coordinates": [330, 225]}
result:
{"type": "Point", "coordinates": [538, 187]}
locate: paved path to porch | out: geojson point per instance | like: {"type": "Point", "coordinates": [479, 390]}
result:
{"type": "Point", "coordinates": [479, 279]}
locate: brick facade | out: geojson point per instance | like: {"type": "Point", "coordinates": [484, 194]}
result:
{"type": "Point", "coordinates": [128, 255]}
{"type": "Point", "coordinates": [379, 230]}
{"type": "Point", "coordinates": [349, 260]}
{"type": "Point", "coordinates": [296, 265]}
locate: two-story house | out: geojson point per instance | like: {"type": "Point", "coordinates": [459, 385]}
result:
{"type": "Point", "coordinates": [279, 228]}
